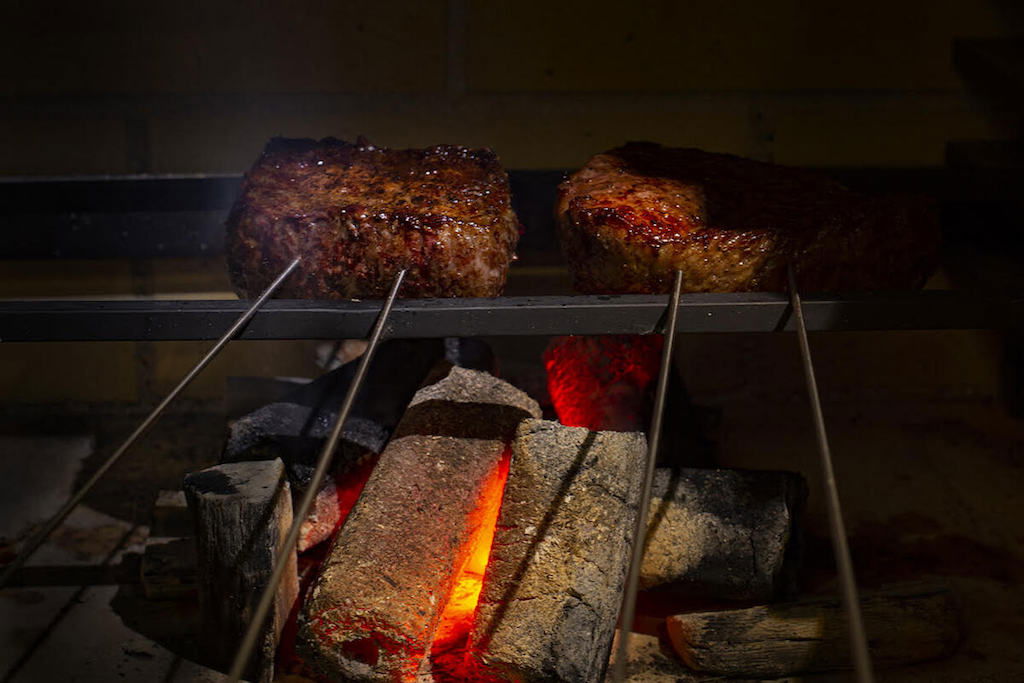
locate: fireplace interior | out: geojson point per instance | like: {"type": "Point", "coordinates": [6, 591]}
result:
{"type": "Point", "coordinates": [478, 516]}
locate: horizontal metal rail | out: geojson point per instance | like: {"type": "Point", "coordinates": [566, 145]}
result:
{"type": "Point", "coordinates": [152, 320]}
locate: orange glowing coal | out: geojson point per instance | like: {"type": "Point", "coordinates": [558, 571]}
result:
{"type": "Point", "coordinates": [604, 382]}
{"type": "Point", "coordinates": [457, 618]}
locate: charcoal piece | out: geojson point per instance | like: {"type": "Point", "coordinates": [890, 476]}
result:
{"type": "Point", "coordinates": [554, 581]}
{"type": "Point", "coordinates": [374, 610]}
{"type": "Point", "coordinates": [724, 534]}
{"type": "Point", "coordinates": [905, 624]}
{"type": "Point", "coordinates": [295, 428]}
{"type": "Point", "coordinates": [242, 513]}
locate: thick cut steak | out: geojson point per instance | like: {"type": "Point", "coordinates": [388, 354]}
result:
{"type": "Point", "coordinates": [357, 214]}
{"type": "Point", "coordinates": [635, 214]}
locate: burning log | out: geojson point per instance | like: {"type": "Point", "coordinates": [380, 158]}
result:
{"type": "Point", "coordinates": [913, 623]}
{"type": "Point", "coordinates": [377, 604]}
{"type": "Point", "coordinates": [295, 427]}
{"type": "Point", "coordinates": [554, 582]}
{"type": "Point", "coordinates": [242, 513]}
{"type": "Point", "coordinates": [724, 534]}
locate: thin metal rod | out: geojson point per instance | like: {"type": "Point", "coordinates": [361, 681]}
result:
{"type": "Point", "coordinates": [628, 611]}
{"type": "Point", "coordinates": [323, 461]}
{"type": "Point", "coordinates": [840, 545]}
{"type": "Point", "coordinates": [40, 537]}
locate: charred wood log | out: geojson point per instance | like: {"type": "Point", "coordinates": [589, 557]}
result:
{"type": "Point", "coordinates": [559, 560]}
{"type": "Point", "coordinates": [374, 610]}
{"type": "Point", "coordinates": [295, 428]}
{"type": "Point", "coordinates": [912, 623]}
{"type": "Point", "coordinates": [724, 534]}
{"type": "Point", "coordinates": [242, 513]}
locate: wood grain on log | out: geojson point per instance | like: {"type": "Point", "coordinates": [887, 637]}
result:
{"type": "Point", "coordinates": [554, 581]}
{"type": "Point", "coordinates": [724, 534]}
{"type": "Point", "coordinates": [908, 624]}
{"type": "Point", "coordinates": [242, 513]}
{"type": "Point", "coordinates": [374, 609]}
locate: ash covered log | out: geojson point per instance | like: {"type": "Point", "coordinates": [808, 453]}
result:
{"type": "Point", "coordinates": [242, 513]}
{"type": "Point", "coordinates": [557, 567]}
{"type": "Point", "coordinates": [907, 624]}
{"type": "Point", "coordinates": [294, 428]}
{"type": "Point", "coordinates": [375, 608]}
{"type": "Point", "coordinates": [724, 534]}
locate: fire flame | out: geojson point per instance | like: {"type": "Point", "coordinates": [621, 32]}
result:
{"type": "Point", "coordinates": [457, 619]}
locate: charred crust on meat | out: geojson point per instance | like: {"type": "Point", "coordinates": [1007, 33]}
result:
{"type": "Point", "coordinates": [634, 214]}
{"type": "Point", "coordinates": [358, 213]}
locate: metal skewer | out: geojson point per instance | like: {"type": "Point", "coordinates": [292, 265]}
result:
{"type": "Point", "coordinates": [323, 461]}
{"type": "Point", "coordinates": [840, 546]}
{"type": "Point", "coordinates": [37, 540]}
{"type": "Point", "coordinates": [628, 611]}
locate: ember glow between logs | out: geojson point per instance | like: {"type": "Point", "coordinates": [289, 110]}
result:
{"type": "Point", "coordinates": [448, 651]}
{"type": "Point", "coordinates": [603, 382]}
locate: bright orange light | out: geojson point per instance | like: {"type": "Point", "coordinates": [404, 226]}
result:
{"type": "Point", "coordinates": [349, 487]}
{"type": "Point", "coordinates": [457, 618]}
{"type": "Point", "coordinates": [604, 382]}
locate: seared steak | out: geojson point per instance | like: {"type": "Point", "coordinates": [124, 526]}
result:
{"type": "Point", "coordinates": [634, 215]}
{"type": "Point", "coordinates": [357, 214]}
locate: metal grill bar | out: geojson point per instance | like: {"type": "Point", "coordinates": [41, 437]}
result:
{"type": "Point", "coordinates": [840, 546]}
{"type": "Point", "coordinates": [514, 316]}
{"type": "Point", "coordinates": [37, 540]}
{"type": "Point", "coordinates": [628, 611]}
{"type": "Point", "coordinates": [248, 644]}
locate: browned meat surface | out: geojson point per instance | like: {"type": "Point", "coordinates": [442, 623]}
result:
{"type": "Point", "coordinates": [357, 214]}
{"type": "Point", "coordinates": [635, 214]}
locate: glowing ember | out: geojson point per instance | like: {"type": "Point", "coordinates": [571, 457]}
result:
{"type": "Point", "coordinates": [457, 618]}
{"type": "Point", "coordinates": [349, 486]}
{"type": "Point", "coordinates": [603, 383]}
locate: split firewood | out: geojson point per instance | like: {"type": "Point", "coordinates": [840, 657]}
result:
{"type": "Point", "coordinates": [724, 534]}
{"type": "Point", "coordinates": [294, 428]}
{"type": "Point", "coordinates": [904, 625]}
{"type": "Point", "coordinates": [374, 610]}
{"type": "Point", "coordinates": [242, 513]}
{"type": "Point", "coordinates": [558, 564]}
